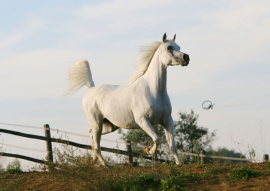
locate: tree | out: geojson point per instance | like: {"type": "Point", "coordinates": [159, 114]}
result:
{"type": "Point", "coordinates": [189, 136]}
{"type": "Point", "coordinates": [140, 137]}
{"type": "Point", "coordinates": [224, 152]}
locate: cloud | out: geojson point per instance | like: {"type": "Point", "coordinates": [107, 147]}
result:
{"type": "Point", "coordinates": [213, 45]}
{"type": "Point", "coordinates": [117, 8]}
{"type": "Point", "coordinates": [35, 74]}
{"type": "Point", "coordinates": [245, 27]}
{"type": "Point", "coordinates": [244, 16]}
{"type": "Point", "coordinates": [7, 41]}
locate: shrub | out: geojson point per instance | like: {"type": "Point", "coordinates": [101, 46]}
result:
{"type": "Point", "coordinates": [243, 173]}
{"type": "Point", "coordinates": [170, 184]}
{"type": "Point", "coordinates": [14, 167]}
{"type": "Point", "coordinates": [137, 182]}
{"type": "Point", "coordinates": [268, 166]}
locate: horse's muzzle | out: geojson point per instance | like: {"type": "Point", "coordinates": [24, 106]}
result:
{"type": "Point", "coordinates": [186, 59]}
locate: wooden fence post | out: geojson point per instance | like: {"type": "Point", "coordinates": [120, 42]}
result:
{"type": "Point", "coordinates": [265, 158]}
{"type": "Point", "coordinates": [48, 143]}
{"type": "Point", "coordinates": [203, 159]}
{"type": "Point", "coordinates": [128, 146]}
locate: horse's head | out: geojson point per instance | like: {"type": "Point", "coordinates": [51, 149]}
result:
{"type": "Point", "coordinates": [171, 54]}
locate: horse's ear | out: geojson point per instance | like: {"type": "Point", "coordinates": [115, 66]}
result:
{"type": "Point", "coordinates": [174, 37]}
{"type": "Point", "coordinates": [164, 37]}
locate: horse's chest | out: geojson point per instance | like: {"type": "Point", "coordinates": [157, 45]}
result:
{"type": "Point", "coordinates": [157, 109]}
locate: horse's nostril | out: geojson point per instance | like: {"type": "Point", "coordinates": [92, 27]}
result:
{"type": "Point", "coordinates": [186, 57]}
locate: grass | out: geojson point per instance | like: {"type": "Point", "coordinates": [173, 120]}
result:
{"type": "Point", "coordinates": [267, 166]}
{"type": "Point", "coordinates": [243, 173]}
{"type": "Point", "coordinates": [14, 167]}
{"type": "Point", "coordinates": [115, 178]}
{"type": "Point", "coordinates": [78, 173]}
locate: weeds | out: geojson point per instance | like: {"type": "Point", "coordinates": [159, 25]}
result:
{"type": "Point", "coordinates": [243, 173]}
{"type": "Point", "coordinates": [78, 173]}
{"type": "Point", "coordinates": [170, 184]}
{"type": "Point", "coordinates": [171, 169]}
{"type": "Point", "coordinates": [187, 177]}
{"type": "Point", "coordinates": [213, 170]}
{"type": "Point", "coordinates": [137, 182]}
{"type": "Point", "coordinates": [14, 167]}
{"type": "Point", "coordinates": [267, 166]}
{"type": "Point", "coordinates": [252, 154]}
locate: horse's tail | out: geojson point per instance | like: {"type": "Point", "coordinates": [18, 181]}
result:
{"type": "Point", "coordinates": [80, 75]}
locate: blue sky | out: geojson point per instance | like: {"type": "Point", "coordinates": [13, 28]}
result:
{"type": "Point", "coordinates": [228, 43]}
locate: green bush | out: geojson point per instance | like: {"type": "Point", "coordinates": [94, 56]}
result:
{"type": "Point", "coordinates": [137, 182]}
{"type": "Point", "coordinates": [170, 184]}
{"type": "Point", "coordinates": [14, 167]}
{"type": "Point", "coordinates": [267, 166]}
{"type": "Point", "coordinates": [187, 177]}
{"type": "Point", "coordinates": [243, 173]}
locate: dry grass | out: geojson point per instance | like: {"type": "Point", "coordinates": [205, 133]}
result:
{"type": "Point", "coordinates": [77, 173]}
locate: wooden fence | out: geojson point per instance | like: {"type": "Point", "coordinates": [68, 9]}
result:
{"type": "Point", "coordinates": [128, 153]}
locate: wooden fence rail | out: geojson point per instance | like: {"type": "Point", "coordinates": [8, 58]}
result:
{"type": "Point", "coordinates": [22, 157]}
{"type": "Point", "coordinates": [128, 153]}
{"type": "Point", "coordinates": [48, 140]}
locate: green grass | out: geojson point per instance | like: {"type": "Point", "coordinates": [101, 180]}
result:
{"type": "Point", "coordinates": [78, 173]}
{"type": "Point", "coordinates": [14, 167]}
{"type": "Point", "coordinates": [118, 178]}
{"type": "Point", "coordinates": [137, 182]}
{"type": "Point", "coordinates": [243, 173]}
{"type": "Point", "coordinates": [267, 166]}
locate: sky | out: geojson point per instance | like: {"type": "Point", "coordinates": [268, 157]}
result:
{"type": "Point", "coordinates": [228, 43]}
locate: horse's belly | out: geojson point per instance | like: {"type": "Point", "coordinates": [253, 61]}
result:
{"type": "Point", "coordinates": [121, 119]}
{"type": "Point", "coordinates": [132, 125]}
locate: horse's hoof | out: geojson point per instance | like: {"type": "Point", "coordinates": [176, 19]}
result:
{"type": "Point", "coordinates": [146, 150]}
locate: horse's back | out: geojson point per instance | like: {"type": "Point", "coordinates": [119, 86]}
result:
{"type": "Point", "coordinates": [111, 102]}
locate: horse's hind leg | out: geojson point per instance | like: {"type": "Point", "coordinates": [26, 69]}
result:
{"type": "Point", "coordinates": [95, 135]}
{"type": "Point", "coordinates": [92, 143]}
{"type": "Point", "coordinates": [97, 151]}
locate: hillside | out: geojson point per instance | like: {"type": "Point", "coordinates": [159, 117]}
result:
{"type": "Point", "coordinates": [252, 176]}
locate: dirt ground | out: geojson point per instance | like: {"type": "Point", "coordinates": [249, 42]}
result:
{"type": "Point", "coordinates": [217, 177]}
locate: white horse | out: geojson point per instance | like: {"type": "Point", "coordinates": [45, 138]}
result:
{"type": "Point", "coordinates": [141, 104]}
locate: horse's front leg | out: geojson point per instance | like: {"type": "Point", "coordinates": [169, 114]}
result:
{"type": "Point", "coordinates": [169, 132]}
{"type": "Point", "coordinates": [148, 128]}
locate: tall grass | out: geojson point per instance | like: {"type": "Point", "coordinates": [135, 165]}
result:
{"type": "Point", "coordinates": [14, 167]}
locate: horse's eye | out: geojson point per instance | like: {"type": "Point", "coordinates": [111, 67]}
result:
{"type": "Point", "coordinates": [169, 48]}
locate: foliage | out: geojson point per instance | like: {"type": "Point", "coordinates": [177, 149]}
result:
{"type": "Point", "coordinates": [213, 170]}
{"type": "Point", "coordinates": [222, 151]}
{"type": "Point", "coordinates": [138, 136]}
{"type": "Point", "coordinates": [243, 173]}
{"type": "Point", "coordinates": [1, 168]}
{"type": "Point", "coordinates": [251, 153]}
{"type": "Point", "coordinates": [267, 166]}
{"type": "Point", "coordinates": [171, 169]}
{"type": "Point", "coordinates": [72, 172]}
{"type": "Point", "coordinates": [187, 130]}
{"type": "Point", "coordinates": [137, 182]}
{"type": "Point", "coordinates": [14, 167]}
{"type": "Point", "coordinates": [170, 184]}
{"type": "Point", "coordinates": [188, 135]}
{"type": "Point", "coordinates": [187, 177]}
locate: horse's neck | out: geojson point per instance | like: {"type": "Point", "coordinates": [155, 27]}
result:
{"type": "Point", "coordinates": [156, 76]}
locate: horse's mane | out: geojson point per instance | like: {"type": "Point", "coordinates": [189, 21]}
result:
{"type": "Point", "coordinates": [147, 53]}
